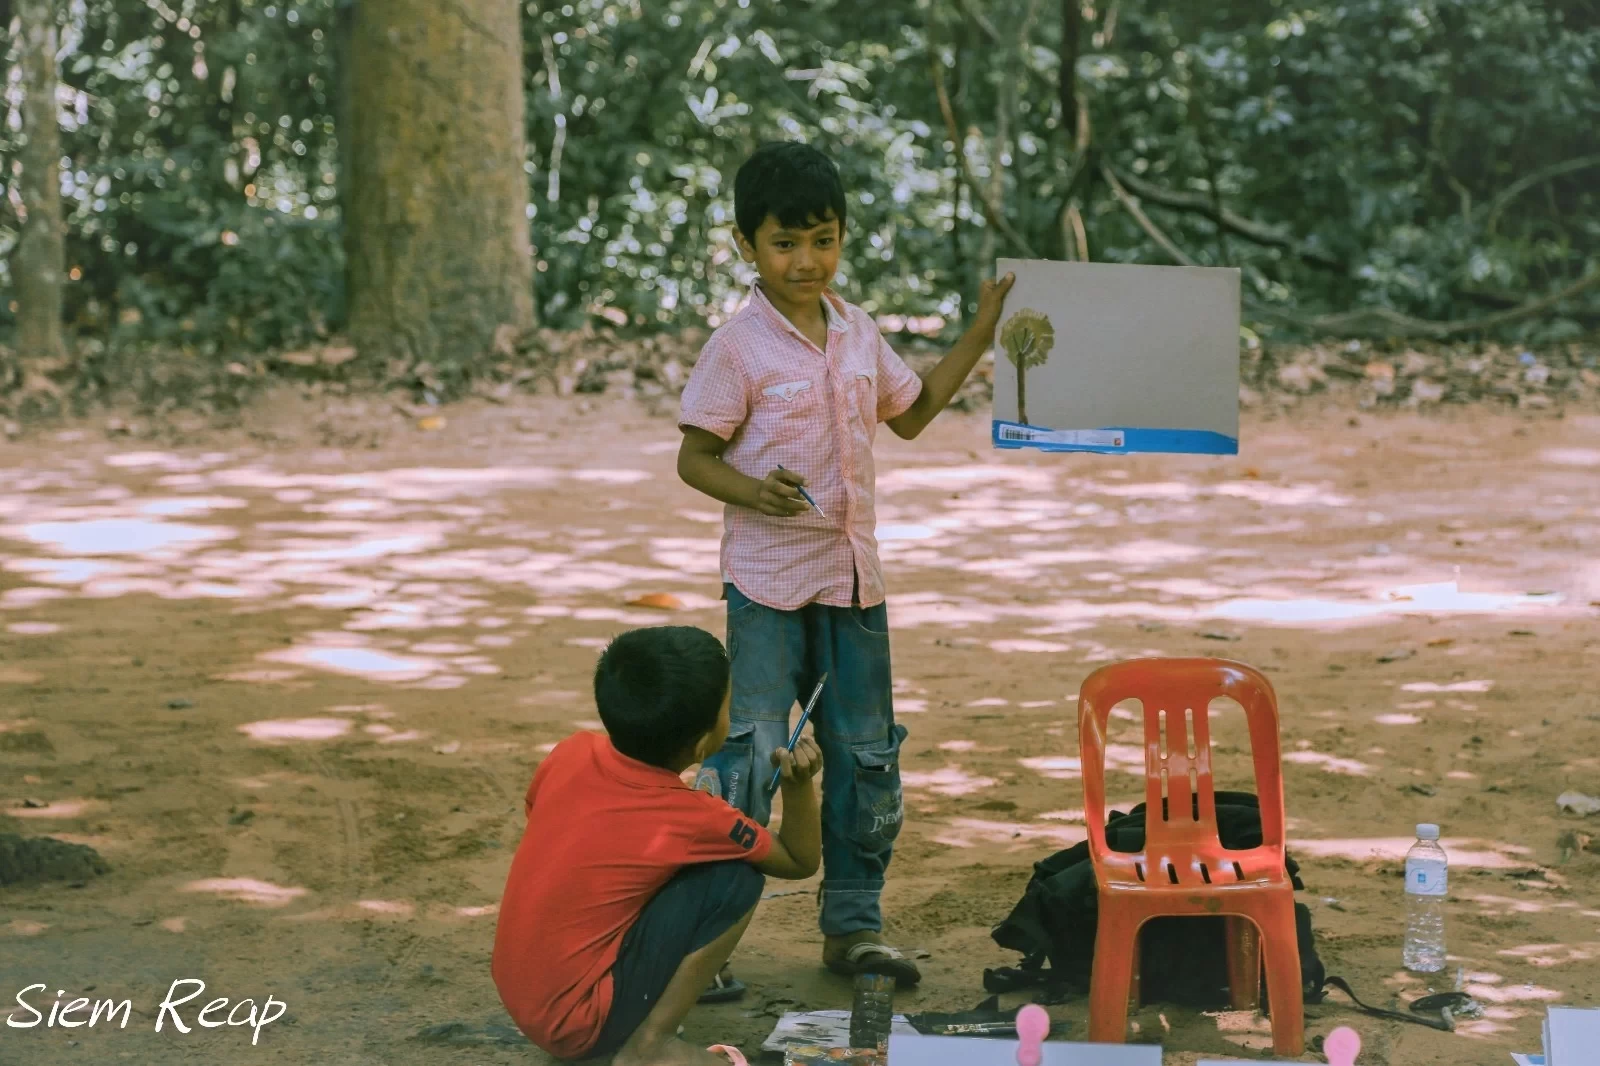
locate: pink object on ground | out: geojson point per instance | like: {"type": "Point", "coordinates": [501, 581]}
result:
{"type": "Point", "coordinates": [1342, 1046]}
{"type": "Point", "coordinates": [1033, 1025]}
{"type": "Point", "coordinates": [734, 1055]}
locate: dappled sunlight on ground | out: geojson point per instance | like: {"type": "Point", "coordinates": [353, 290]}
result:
{"type": "Point", "coordinates": [302, 693]}
{"type": "Point", "coordinates": [1463, 853]}
{"type": "Point", "coordinates": [246, 890]}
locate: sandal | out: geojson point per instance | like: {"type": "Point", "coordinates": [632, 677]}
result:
{"type": "Point", "coordinates": [735, 1056]}
{"type": "Point", "coordinates": [723, 991]}
{"type": "Point", "coordinates": [878, 959]}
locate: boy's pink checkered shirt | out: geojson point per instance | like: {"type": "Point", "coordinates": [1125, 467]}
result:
{"type": "Point", "coordinates": [761, 385]}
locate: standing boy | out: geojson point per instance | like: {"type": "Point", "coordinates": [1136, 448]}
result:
{"type": "Point", "coordinates": [783, 404]}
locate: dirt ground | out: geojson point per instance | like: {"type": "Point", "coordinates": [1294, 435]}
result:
{"type": "Point", "coordinates": [291, 681]}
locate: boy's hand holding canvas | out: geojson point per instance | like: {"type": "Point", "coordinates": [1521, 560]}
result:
{"type": "Point", "coordinates": [779, 418]}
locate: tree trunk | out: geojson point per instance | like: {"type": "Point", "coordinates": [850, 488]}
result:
{"type": "Point", "coordinates": [1022, 391]}
{"type": "Point", "coordinates": [344, 13]}
{"type": "Point", "coordinates": [38, 265]}
{"type": "Point", "coordinates": [437, 228]}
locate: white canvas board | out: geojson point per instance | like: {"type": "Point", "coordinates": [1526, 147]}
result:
{"type": "Point", "coordinates": [1572, 1034]}
{"type": "Point", "coordinates": [919, 1050]}
{"type": "Point", "coordinates": [1117, 358]}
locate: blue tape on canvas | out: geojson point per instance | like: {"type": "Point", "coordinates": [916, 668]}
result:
{"type": "Point", "coordinates": [1134, 439]}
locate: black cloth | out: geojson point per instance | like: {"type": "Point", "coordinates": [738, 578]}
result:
{"type": "Point", "coordinates": [1182, 960]}
{"type": "Point", "coordinates": [699, 904]}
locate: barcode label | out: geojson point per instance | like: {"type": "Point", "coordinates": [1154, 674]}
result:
{"type": "Point", "coordinates": [1097, 438]}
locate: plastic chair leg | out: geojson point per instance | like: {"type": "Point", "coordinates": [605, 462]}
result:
{"type": "Point", "coordinates": [1281, 953]}
{"type": "Point", "coordinates": [1244, 963]}
{"type": "Point", "coordinates": [1111, 980]}
{"type": "Point", "coordinates": [1135, 993]}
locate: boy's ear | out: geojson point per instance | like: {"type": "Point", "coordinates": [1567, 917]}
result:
{"type": "Point", "coordinates": [747, 251]}
{"type": "Point", "coordinates": [701, 750]}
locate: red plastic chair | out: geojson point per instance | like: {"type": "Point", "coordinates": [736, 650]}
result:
{"type": "Point", "coordinates": [1184, 869]}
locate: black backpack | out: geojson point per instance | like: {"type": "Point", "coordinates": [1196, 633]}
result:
{"type": "Point", "coordinates": [1182, 960]}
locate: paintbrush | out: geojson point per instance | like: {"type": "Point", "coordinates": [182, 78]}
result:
{"type": "Point", "coordinates": [795, 737]}
{"type": "Point", "coordinates": [804, 495]}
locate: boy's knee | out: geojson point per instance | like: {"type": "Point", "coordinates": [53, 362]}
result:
{"type": "Point", "coordinates": [748, 885]}
{"type": "Point", "coordinates": [735, 882]}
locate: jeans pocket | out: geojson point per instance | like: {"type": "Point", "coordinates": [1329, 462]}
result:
{"type": "Point", "coordinates": [880, 809]}
{"type": "Point", "coordinates": [727, 773]}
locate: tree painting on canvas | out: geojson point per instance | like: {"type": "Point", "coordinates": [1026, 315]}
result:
{"type": "Point", "coordinates": [1027, 338]}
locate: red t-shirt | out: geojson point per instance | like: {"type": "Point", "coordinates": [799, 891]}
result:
{"type": "Point", "coordinates": [605, 833]}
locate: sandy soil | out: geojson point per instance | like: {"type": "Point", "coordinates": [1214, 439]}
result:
{"type": "Point", "coordinates": [291, 681]}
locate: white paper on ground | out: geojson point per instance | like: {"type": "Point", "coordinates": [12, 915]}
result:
{"type": "Point", "coordinates": [918, 1050]}
{"type": "Point", "coordinates": [821, 1028]}
{"type": "Point", "coordinates": [1527, 1060]}
{"type": "Point", "coordinates": [1572, 1033]}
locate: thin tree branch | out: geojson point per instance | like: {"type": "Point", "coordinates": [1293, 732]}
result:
{"type": "Point", "coordinates": [971, 11]}
{"type": "Point", "coordinates": [1382, 322]}
{"type": "Point", "coordinates": [1523, 184]}
{"type": "Point", "coordinates": [991, 209]}
{"type": "Point", "coordinates": [1201, 204]}
{"type": "Point", "coordinates": [1140, 217]}
{"type": "Point", "coordinates": [1067, 60]}
{"type": "Point", "coordinates": [1073, 220]}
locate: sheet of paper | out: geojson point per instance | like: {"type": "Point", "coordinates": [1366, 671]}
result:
{"type": "Point", "coordinates": [1574, 1033]}
{"type": "Point", "coordinates": [1527, 1060]}
{"type": "Point", "coordinates": [1117, 358]}
{"type": "Point", "coordinates": [918, 1050]}
{"type": "Point", "coordinates": [820, 1028]}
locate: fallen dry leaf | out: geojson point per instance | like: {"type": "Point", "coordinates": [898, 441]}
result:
{"type": "Point", "coordinates": [1441, 642]}
{"type": "Point", "coordinates": [337, 356]}
{"type": "Point", "coordinates": [431, 422]}
{"type": "Point", "coordinates": [298, 358]}
{"type": "Point", "coordinates": [661, 601]}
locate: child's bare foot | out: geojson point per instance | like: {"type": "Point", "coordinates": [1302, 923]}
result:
{"type": "Point", "coordinates": [672, 1052]}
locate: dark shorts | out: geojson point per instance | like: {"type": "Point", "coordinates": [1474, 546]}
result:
{"type": "Point", "coordinates": [698, 905]}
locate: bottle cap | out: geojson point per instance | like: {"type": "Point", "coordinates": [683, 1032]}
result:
{"type": "Point", "coordinates": [1427, 831]}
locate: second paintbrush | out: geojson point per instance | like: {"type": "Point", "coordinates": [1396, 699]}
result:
{"type": "Point", "coordinates": [794, 738]}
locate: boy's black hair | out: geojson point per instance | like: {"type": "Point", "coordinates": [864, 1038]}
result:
{"type": "Point", "coordinates": [659, 690]}
{"type": "Point", "coordinates": [791, 181]}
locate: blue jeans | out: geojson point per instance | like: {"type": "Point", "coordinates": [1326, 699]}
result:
{"type": "Point", "coordinates": [777, 657]}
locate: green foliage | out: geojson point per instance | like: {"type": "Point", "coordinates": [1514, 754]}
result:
{"type": "Point", "coordinates": [1373, 137]}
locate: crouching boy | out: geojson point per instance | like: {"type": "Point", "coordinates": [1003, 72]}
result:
{"type": "Point", "coordinates": [630, 890]}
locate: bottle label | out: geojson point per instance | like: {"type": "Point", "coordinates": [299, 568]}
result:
{"type": "Point", "coordinates": [1427, 877]}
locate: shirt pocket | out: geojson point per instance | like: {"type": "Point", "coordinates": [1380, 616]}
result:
{"type": "Point", "coordinates": [790, 409]}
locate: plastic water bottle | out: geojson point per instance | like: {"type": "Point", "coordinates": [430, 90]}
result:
{"type": "Point", "coordinates": [1427, 882]}
{"type": "Point", "coordinates": [872, 1012]}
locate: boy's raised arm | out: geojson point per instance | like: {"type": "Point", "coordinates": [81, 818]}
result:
{"type": "Point", "coordinates": [940, 384]}
{"type": "Point", "coordinates": [797, 849]}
